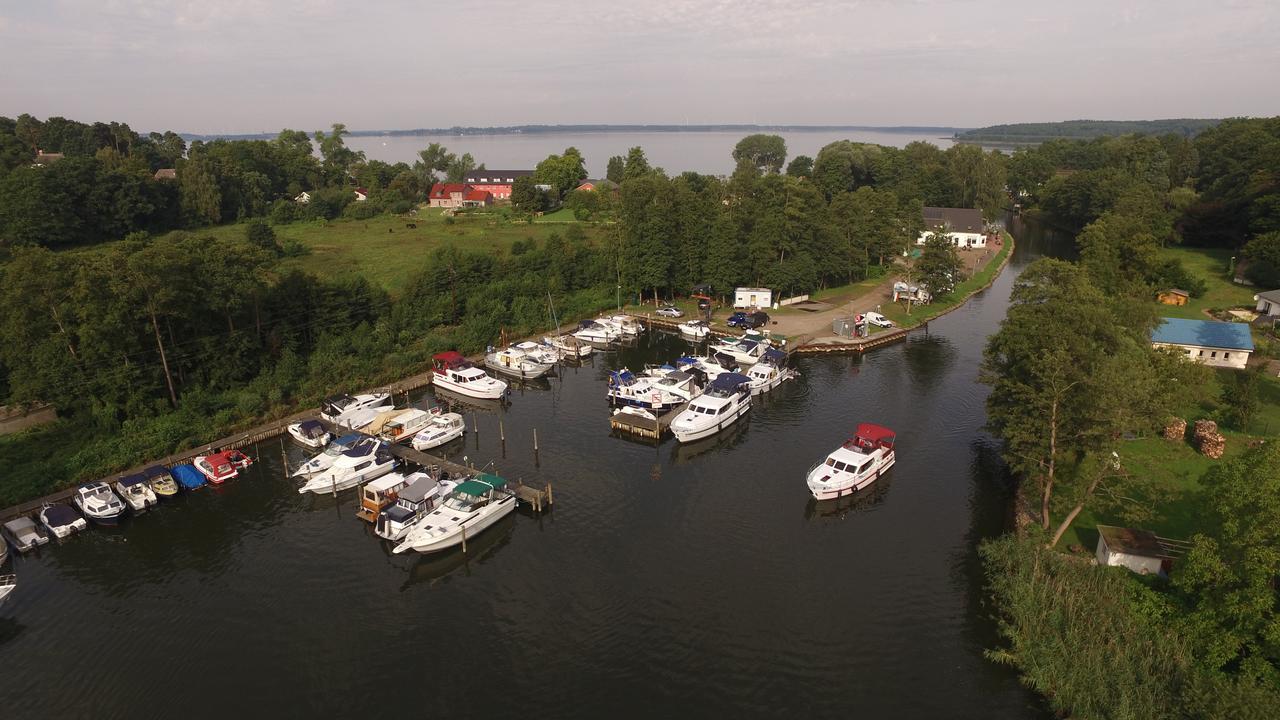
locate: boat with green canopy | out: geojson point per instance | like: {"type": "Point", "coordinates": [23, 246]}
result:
{"type": "Point", "coordinates": [475, 504]}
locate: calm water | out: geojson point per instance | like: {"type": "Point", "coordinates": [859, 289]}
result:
{"type": "Point", "coordinates": [704, 152]}
{"type": "Point", "coordinates": [676, 581]}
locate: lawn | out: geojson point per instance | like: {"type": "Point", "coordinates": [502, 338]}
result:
{"type": "Point", "coordinates": [897, 312]}
{"type": "Point", "coordinates": [1211, 265]}
{"type": "Point", "coordinates": [386, 250]}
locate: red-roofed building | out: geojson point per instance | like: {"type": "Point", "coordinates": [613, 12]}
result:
{"type": "Point", "coordinates": [451, 195]}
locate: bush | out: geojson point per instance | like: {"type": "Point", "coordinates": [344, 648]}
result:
{"type": "Point", "coordinates": [1173, 274]}
{"type": "Point", "coordinates": [284, 212]}
{"type": "Point", "coordinates": [294, 247]}
{"type": "Point", "coordinates": [361, 210]}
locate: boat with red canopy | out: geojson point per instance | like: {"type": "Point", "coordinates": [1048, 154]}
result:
{"type": "Point", "coordinates": [222, 466]}
{"type": "Point", "coordinates": [855, 464]}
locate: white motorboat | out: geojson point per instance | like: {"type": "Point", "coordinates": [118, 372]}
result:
{"type": "Point", "coordinates": [568, 346]}
{"type": "Point", "coordinates": [96, 501]}
{"type": "Point", "coordinates": [62, 520]}
{"type": "Point", "coordinates": [421, 495]}
{"type": "Point", "coordinates": [624, 325]}
{"type": "Point", "coordinates": [596, 332]}
{"type": "Point", "coordinates": [137, 493]}
{"type": "Point", "coordinates": [360, 419]}
{"type": "Point", "coordinates": [456, 373]}
{"type": "Point", "coordinates": [519, 363]}
{"type": "Point", "coordinates": [854, 465]}
{"type": "Point", "coordinates": [627, 389]}
{"type": "Point", "coordinates": [770, 372]}
{"type": "Point", "coordinates": [473, 505]}
{"type": "Point", "coordinates": [400, 425]}
{"type": "Point", "coordinates": [443, 428]}
{"type": "Point", "coordinates": [310, 433]}
{"type": "Point", "coordinates": [336, 408]}
{"type": "Point", "coordinates": [7, 585]}
{"type": "Point", "coordinates": [712, 366]}
{"type": "Point", "coordinates": [679, 383]}
{"type": "Point", "coordinates": [538, 351]}
{"type": "Point", "coordinates": [24, 534]}
{"type": "Point", "coordinates": [364, 461]}
{"type": "Point", "coordinates": [695, 329]}
{"type": "Point", "coordinates": [727, 398]}
{"type": "Point", "coordinates": [745, 352]}
{"type": "Point", "coordinates": [324, 460]}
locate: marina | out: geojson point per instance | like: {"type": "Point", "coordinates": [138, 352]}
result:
{"type": "Point", "coordinates": [628, 502]}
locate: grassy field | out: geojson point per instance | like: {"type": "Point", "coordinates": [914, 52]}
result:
{"type": "Point", "coordinates": [1211, 265]}
{"type": "Point", "coordinates": [897, 312]}
{"type": "Point", "coordinates": [387, 251]}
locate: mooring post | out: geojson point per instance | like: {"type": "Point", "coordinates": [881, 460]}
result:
{"type": "Point", "coordinates": [284, 458]}
{"type": "Point", "coordinates": [550, 497]}
{"type": "Point", "coordinates": [464, 538]}
{"type": "Point", "coordinates": [535, 447]}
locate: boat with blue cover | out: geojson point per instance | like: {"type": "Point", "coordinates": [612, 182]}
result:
{"type": "Point", "coordinates": [188, 476]}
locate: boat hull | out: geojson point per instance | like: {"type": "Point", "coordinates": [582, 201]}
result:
{"type": "Point", "coordinates": [691, 434]}
{"type": "Point", "coordinates": [474, 525]}
{"type": "Point", "coordinates": [436, 441]}
{"type": "Point", "coordinates": [485, 392]}
{"type": "Point", "coordinates": [832, 492]}
{"type": "Point", "coordinates": [524, 370]}
{"type": "Point", "coordinates": [314, 443]}
{"type": "Point", "coordinates": [321, 486]}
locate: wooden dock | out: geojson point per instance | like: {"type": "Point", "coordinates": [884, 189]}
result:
{"type": "Point", "coordinates": [641, 427]}
{"type": "Point", "coordinates": [537, 499]}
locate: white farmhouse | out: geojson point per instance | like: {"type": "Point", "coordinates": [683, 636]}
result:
{"type": "Point", "coordinates": [964, 225]}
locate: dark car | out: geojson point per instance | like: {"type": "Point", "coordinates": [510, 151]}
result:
{"type": "Point", "coordinates": [748, 320]}
{"type": "Point", "coordinates": [738, 319]}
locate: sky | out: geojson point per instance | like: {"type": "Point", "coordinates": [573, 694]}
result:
{"type": "Point", "coordinates": [236, 66]}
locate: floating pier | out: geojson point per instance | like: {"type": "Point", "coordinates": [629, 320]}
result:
{"type": "Point", "coordinates": [641, 427]}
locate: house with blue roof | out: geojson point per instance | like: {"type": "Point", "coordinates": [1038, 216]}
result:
{"type": "Point", "coordinates": [1220, 344]}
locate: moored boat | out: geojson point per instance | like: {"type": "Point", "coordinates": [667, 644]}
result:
{"type": "Point", "coordinates": [592, 331]}
{"type": "Point", "coordinates": [61, 520]}
{"type": "Point", "coordinates": [222, 466]}
{"type": "Point", "coordinates": [23, 534]}
{"type": "Point", "coordinates": [770, 372]}
{"type": "Point", "coordinates": [399, 425]}
{"type": "Point", "coordinates": [568, 346]}
{"type": "Point", "coordinates": [443, 428]}
{"type": "Point", "coordinates": [137, 492]}
{"type": "Point", "coordinates": [421, 495]}
{"type": "Point", "coordinates": [519, 363]}
{"type": "Point", "coordinates": [745, 352]}
{"type": "Point", "coordinates": [454, 372]}
{"type": "Point", "coordinates": [727, 398]}
{"type": "Point", "coordinates": [625, 325]}
{"type": "Point", "coordinates": [625, 388]}
{"type": "Point", "coordinates": [473, 505]}
{"type": "Point", "coordinates": [855, 464]}
{"type": "Point", "coordinates": [336, 408]}
{"type": "Point", "coordinates": [188, 476]}
{"type": "Point", "coordinates": [96, 501]}
{"type": "Point", "coordinates": [695, 329]}
{"type": "Point", "coordinates": [322, 461]}
{"type": "Point", "coordinates": [378, 494]}
{"type": "Point", "coordinates": [362, 462]}
{"type": "Point", "coordinates": [8, 583]}
{"type": "Point", "coordinates": [310, 433]}
{"type": "Point", "coordinates": [161, 481]}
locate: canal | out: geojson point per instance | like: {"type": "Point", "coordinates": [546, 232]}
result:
{"type": "Point", "coordinates": [669, 581]}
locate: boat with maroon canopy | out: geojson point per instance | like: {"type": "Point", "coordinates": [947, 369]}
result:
{"type": "Point", "coordinates": [855, 464]}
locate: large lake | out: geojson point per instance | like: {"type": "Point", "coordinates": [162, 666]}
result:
{"type": "Point", "coordinates": [675, 152]}
{"type": "Point", "coordinates": [686, 581]}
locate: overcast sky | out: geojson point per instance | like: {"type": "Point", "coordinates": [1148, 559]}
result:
{"type": "Point", "coordinates": [213, 66]}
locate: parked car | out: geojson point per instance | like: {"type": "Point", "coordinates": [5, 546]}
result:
{"type": "Point", "coordinates": [878, 320]}
{"type": "Point", "coordinates": [748, 321]}
{"type": "Point", "coordinates": [670, 311]}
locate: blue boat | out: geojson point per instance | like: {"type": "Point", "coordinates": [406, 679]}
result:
{"type": "Point", "coordinates": [188, 476]}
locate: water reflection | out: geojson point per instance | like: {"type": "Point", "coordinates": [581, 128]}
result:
{"type": "Point", "coordinates": [862, 501]}
{"type": "Point", "coordinates": [455, 402]}
{"type": "Point", "coordinates": [722, 441]}
{"type": "Point", "coordinates": [929, 358]}
{"type": "Point", "coordinates": [437, 567]}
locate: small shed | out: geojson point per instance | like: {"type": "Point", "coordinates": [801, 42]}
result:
{"type": "Point", "coordinates": [1139, 550]}
{"type": "Point", "coordinates": [745, 297]}
{"type": "Point", "coordinates": [1268, 303]}
{"type": "Point", "coordinates": [1173, 296]}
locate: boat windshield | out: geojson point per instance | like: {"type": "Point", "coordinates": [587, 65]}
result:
{"type": "Point", "coordinates": [463, 503]}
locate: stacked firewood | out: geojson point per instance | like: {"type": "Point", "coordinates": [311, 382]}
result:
{"type": "Point", "coordinates": [1175, 430]}
{"type": "Point", "coordinates": [1206, 437]}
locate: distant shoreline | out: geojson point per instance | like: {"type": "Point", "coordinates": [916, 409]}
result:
{"type": "Point", "coordinates": [946, 131]}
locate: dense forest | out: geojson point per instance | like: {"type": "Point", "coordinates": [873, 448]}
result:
{"type": "Point", "coordinates": [1073, 374]}
{"type": "Point", "coordinates": [1033, 133]}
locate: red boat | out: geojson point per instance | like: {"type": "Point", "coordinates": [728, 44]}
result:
{"type": "Point", "coordinates": [222, 466]}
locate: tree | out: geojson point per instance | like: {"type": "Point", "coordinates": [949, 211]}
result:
{"type": "Point", "coordinates": [459, 167]}
{"type": "Point", "coordinates": [844, 166]}
{"type": "Point", "coordinates": [259, 234]}
{"type": "Point", "coordinates": [636, 165]}
{"type": "Point", "coordinates": [431, 161]}
{"type": "Point", "coordinates": [338, 158]}
{"type": "Point", "coordinates": [1242, 394]}
{"type": "Point", "coordinates": [525, 195]}
{"type": "Point", "coordinates": [562, 172]}
{"type": "Point", "coordinates": [939, 267]}
{"type": "Point", "coordinates": [1263, 254]}
{"type": "Point", "coordinates": [766, 152]}
{"type": "Point", "coordinates": [800, 166]}
{"type": "Point", "coordinates": [200, 195]}
{"type": "Point", "coordinates": [616, 171]}
{"type": "Point", "coordinates": [1227, 580]}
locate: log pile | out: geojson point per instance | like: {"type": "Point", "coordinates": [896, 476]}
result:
{"type": "Point", "coordinates": [1175, 430]}
{"type": "Point", "coordinates": [1206, 437]}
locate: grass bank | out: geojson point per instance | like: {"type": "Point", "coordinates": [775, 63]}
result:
{"type": "Point", "coordinates": [978, 281]}
{"type": "Point", "coordinates": [1211, 265]}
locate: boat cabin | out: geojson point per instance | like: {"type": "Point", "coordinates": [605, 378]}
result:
{"type": "Point", "coordinates": [727, 384]}
{"type": "Point", "coordinates": [870, 438]}
{"type": "Point", "coordinates": [378, 494]}
{"type": "Point", "coordinates": [474, 494]}
{"type": "Point", "coordinates": [311, 430]}
{"type": "Point", "coordinates": [450, 360]}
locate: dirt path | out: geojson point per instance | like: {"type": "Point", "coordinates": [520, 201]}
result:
{"type": "Point", "coordinates": [799, 323]}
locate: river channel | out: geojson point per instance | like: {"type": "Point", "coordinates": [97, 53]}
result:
{"type": "Point", "coordinates": [668, 581]}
